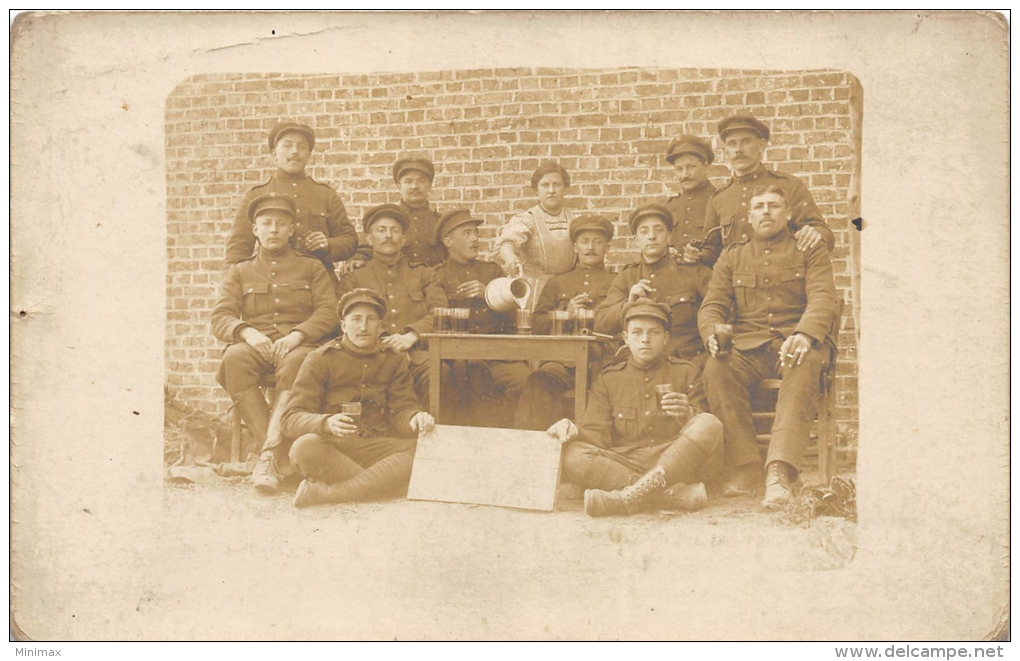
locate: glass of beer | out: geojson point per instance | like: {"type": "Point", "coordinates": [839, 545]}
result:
{"type": "Point", "coordinates": [522, 320]}
{"type": "Point", "coordinates": [661, 391]}
{"type": "Point", "coordinates": [584, 322]}
{"type": "Point", "coordinates": [353, 411]}
{"type": "Point", "coordinates": [724, 336]}
{"type": "Point", "coordinates": [561, 322]}
{"type": "Point", "coordinates": [460, 320]}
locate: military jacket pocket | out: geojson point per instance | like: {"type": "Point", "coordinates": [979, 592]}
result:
{"type": "Point", "coordinates": [294, 297]}
{"type": "Point", "coordinates": [682, 298]}
{"type": "Point", "coordinates": [256, 299]}
{"type": "Point", "coordinates": [624, 419]}
{"type": "Point", "coordinates": [744, 280]}
{"type": "Point", "coordinates": [743, 289]}
{"type": "Point", "coordinates": [792, 273]}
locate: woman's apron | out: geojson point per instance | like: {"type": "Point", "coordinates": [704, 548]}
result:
{"type": "Point", "coordinates": [554, 256]}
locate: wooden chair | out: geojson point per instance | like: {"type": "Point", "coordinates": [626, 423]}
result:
{"type": "Point", "coordinates": [823, 448]}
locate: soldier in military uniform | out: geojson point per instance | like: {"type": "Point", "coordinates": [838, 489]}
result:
{"type": "Point", "coordinates": [274, 308]}
{"type": "Point", "coordinates": [745, 139]}
{"type": "Point", "coordinates": [463, 278]}
{"type": "Point", "coordinates": [345, 458]}
{"type": "Point", "coordinates": [582, 288]}
{"type": "Point", "coordinates": [411, 292]}
{"type": "Point", "coordinates": [321, 227]}
{"type": "Point", "coordinates": [782, 301]}
{"type": "Point", "coordinates": [632, 452]}
{"type": "Point", "coordinates": [658, 276]}
{"type": "Point", "coordinates": [690, 157]}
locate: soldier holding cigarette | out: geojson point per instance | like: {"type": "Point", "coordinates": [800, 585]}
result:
{"type": "Point", "coordinates": [782, 302]}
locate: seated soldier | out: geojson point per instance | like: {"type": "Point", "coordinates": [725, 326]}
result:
{"type": "Point", "coordinates": [346, 458]}
{"type": "Point", "coordinates": [274, 308]}
{"type": "Point", "coordinates": [782, 302]}
{"type": "Point", "coordinates": [411, 292]}
{"type": "Point", "coordinates": [632, 453]}
{"type": "Point", "coordinates": [582, 288]}
{"type": "Point", "coordinates": [463, 278]}
{"type": "Point", "coordinates": [658, 276]}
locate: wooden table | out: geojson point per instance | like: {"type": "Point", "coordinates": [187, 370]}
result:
{"type": "Point", "coordinates": [562, 349]}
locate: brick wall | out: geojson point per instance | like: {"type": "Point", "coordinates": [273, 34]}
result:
{"type": "Point", "coordinates": [485, 130]}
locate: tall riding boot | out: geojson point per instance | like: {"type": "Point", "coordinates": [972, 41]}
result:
{"type": "Point", "coordinates": [267, 474]}
{"type": "Point", "coordinates": [627, 500]}
{"type": "Point", "coordinates": [251, 404]}
{"type": "Point", "coordinates": [387, 477]}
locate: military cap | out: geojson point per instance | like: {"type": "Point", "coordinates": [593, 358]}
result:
{"type": "Point", "coordinates": [656, 210]}
{"type": "Point", "coordinates": [548, 167]}
{"type": "Point", "coordinates": [271, 201]}
{"type": "Point", "coordinates": [590, 222]}
{"type": "Point", "coordinates": [283, 127]}
{"type": "Point", "coordinates": [451, 220]}
{"type": "Point", "coordinates": [690, 144]}
{"type": "Point", "coordinates": [361, 295]}
{"type": "Point", "coordinates": [646, 307]}
{"type": "Point", "coordinates": [743, 121]}
{"type": "Point", "coordinates": [419, 163]}
{"type": "Point", "coordinates": [394, 211]}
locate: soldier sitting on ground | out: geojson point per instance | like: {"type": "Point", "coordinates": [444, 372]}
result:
{"type": "Point", "coordinates": [346, 457]}
{"type": "Point", "coordinates": [632, 452]}
{"type": "Point", "coordinates": [274, 309]}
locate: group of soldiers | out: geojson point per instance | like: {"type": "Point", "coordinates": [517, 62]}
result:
{"type": "Point", "coordinates": [670, 406]}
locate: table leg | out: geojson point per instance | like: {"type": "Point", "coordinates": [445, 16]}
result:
{"type": "Point", "coordinates": [435, 375]}
{"type": "Point", "coordinates": [580, 380]}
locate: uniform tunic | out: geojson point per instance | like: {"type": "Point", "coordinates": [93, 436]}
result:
{"type": "Point", "coordinates": [275, 294]}
{"type": "Point", "coordinates": [420, 246]}
{"type": "Point", "coordinates": [319, 209]}
{"type": "Point", "coordinates": [728, 208]}
{"type": "Point", "coordinates": [689, 220]}
{"type": "Point", "coordinates": [452, 274]}
{"type": "Point", "coordinates": [411, 294]}
{"type": "Point", "coordinates": [770, 290]}
{"type": "Point", "coordinates": [561, 288]}
{"type": "Point", "coordinates": [339, 373]}
{"type": "Point", "coordinates": [680, 286]}
{"type": "Point", "coordinates": [624, 434]}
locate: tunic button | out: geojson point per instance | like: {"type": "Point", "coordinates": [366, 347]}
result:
{"type": "Point", "coordinates": [273, 263]}
{"type": "Point", "coordinates": [619, 415]}
{"type": "Point", "coordinates": [277, 300]}
{"type": "Point", "coordinates": [768, 298]}
{"type": "Point", "coordinates": [250, 290]}
{"type": "Point", "coordinates": [766, 262]}
{"type": "Point", "coordinates": [682, 299]}
{"type": "Point", "coordinates": [394, 312]}
{"type": "Point", "coordinates": [648, 412]}
{"type": "Point", "coordinates": [767, 251]}
{"type": "Point", "coordinates": [766, 280]}
{"type": "Point", "coordinates": [272, 273]}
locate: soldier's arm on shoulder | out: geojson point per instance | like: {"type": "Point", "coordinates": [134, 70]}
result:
{"type": "Point", "coordinates": [719, 299]}
{"type": "Point", "coordinates": [596, 426]}
{"type": "Point", "coordinates": [241, 241]}
{"type": "Point", "coordinates": [805, 212]}
{"type": "Point", "coordinates": [306, 397]}
{"type": "Point", "coordinates": [343, 238]}
{"type": "Point", "coordinates": [401, 399]}
{"type": "Point", "coordinates": [226, 314]}
{"type": "Point", "coordinates": [322, 319]}
{"type": "Point", "coordinates": [820, 286]}
{"type": "Point", "coordinates": [608, 314]}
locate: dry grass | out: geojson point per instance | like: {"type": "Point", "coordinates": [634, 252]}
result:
{"type": "Point", "coordinates": [839, 499]}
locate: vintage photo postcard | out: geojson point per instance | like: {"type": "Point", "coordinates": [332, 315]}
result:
{"type": "Point", "coordinates": [510, 325]}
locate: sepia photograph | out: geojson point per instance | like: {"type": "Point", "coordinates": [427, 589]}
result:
{"type": "Point", "coordinates": [366, 336]}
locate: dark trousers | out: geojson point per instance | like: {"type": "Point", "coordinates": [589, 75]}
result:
{"type": "Point", "coordinates": [728, 382]}
{"type": "Point", "coordinates": [339, 459]}
{"type": "Point", "coordinates": [542, 402]}
{"type": "Point", "coordinates": [242, 368]}
{"type": "Point", "coordinates": [481, 393]}
{"type": "Point", "coordinates": [695, 455]}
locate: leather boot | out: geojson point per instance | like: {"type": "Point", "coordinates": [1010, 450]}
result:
{"type": "Point", "coordinates": [276, 441]}
{"type": "Point", "coordinates": [627, 500]}
{"type": "Point", "coordinates": [746, 479]}
{"type": "Point", "coordinates": [266, 475]}
{"type": "Point", "coordinates": [777, 485]}
{"type": "Point", "coordinates": [684, 497]}
{"type": "Point", "coordinates": [251, 404]}
{"type": "Point", "coordinates": [386, 478]}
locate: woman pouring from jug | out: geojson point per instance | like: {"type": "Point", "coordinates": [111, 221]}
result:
{"type": "Point", "coordinates": [536, 243]}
